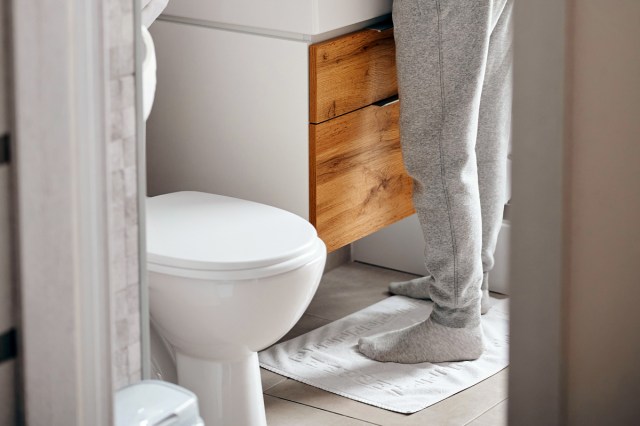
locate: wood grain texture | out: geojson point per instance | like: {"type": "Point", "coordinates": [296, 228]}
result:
{"type": "Point", "coordinates": [351, 72]}
{"type": "Point", "coordinates": [358, 183]}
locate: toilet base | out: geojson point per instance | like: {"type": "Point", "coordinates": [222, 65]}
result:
{"type": "Point", "coordinates": [229, 392]}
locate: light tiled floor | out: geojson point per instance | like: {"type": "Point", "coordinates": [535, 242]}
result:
{"type": "Point", "coordinates": [345, 290]}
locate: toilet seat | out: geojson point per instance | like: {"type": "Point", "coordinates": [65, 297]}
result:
{"type": "Point", "coordinates": [209, 236]}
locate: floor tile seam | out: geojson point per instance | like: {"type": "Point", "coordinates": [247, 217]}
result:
{"type": "Point", "coordinates": [386, 268]}
{"type": "Point", "coordinates": [318, 317]}
{"type": "Point", "coordinates": [324, 318]}
{"type": "Point", "coordinates": [276, 385]}
{"type": "Point", "coordinates": [485, 412]}
{"type": "Point", "coordinates": [333, 319]}
{"type": "Point", "coordinates": [325, 410]}
{"type": "Point", "coordinates": [264, 390]}
{"type": "Point", "coordinates": [350, 311]}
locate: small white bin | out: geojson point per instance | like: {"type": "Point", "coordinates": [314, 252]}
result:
{"type": "Point", "coordinates": [156, 403]}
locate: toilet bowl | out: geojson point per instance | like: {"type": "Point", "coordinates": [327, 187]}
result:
{"type": "Point", "coordinates": [227, 278]}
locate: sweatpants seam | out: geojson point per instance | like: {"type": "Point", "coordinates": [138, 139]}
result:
{"type": "Point", "coordinates": [442, 167]}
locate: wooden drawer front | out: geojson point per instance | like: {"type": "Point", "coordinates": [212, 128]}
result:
{"type": "Point", "coordinates": [358, 181]}
{"type": "Point", "coordinates": [351, 72]}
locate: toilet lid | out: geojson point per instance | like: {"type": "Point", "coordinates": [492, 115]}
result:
{"type": "Point", "coordinates": [201, 231]}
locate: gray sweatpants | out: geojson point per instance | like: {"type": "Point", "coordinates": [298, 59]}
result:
{"type": "Point", "coordinates": [454, 74]}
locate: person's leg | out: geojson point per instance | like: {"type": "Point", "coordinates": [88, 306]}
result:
{"type": "Point", "coordinates": [417, 288]}
{"type": "Point", "coordinates": [442, 50]}
{"type": "Point", "coordinates": [494, 133]}
{"type": "Point", "coordinates": [420, 288]}
{"type": "Point", "coordinates": [494, 128]}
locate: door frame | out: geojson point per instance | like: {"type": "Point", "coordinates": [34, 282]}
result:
{"type": "Point", "coordinates": [60, 87]}
{"type": "Point", "coordinates": [539, 228]}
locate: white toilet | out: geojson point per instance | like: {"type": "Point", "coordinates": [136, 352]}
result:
{"type": "Point", "coordinates": [227, 278]}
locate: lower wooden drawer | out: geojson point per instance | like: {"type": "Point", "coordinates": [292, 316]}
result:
{"type": "Point", "coordinates": [358, 183]}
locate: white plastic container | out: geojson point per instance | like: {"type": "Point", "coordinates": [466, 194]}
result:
{"type": "Point", "coordinates": [154, 402]}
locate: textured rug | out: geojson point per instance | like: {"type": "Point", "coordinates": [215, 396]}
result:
{"type": "Point", "coordinates": [328, 358]}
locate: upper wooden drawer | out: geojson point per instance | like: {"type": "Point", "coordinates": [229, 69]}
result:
{"type": "Point", "coordinates": [351, 72]}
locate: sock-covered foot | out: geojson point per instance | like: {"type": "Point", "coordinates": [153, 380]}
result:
{"type": "Point", "coordinates": [427, 341]}
{"type": "Point", "coordinates": [419, 288]}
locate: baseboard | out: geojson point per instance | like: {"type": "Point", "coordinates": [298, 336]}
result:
{"type": "Point", "coordinates": [337, 258]}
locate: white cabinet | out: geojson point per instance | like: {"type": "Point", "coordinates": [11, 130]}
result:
{"type": "Point", "coordinates": [306, 17]}
{"type": "Point", "coordinates": [231, 116]}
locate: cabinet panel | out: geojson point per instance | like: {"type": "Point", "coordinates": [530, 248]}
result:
{"type": "Point", "coordinates": [295, 17]}
{"type": "Point", "coordinates": [358, 183]}
{"type": "Point", "coordinates": [351, 72]}
{"type": "Point", "coordinates": [230, 117]}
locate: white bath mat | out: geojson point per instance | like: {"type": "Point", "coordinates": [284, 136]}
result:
{"type": "Point", "coordinates": [328, 358]}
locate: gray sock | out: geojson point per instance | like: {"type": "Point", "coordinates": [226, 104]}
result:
{"type": "Point", "coordinates": [418, 288]}
{"type": "Point", "coordinates": [427, 341]}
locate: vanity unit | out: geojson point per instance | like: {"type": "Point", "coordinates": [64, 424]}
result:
{"type": "Point", "coordinates": [289, 103]}
{"type": "Point", "coordinates": [357, 182]}
{"type": "Point", "coordinates": [299, 113]}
